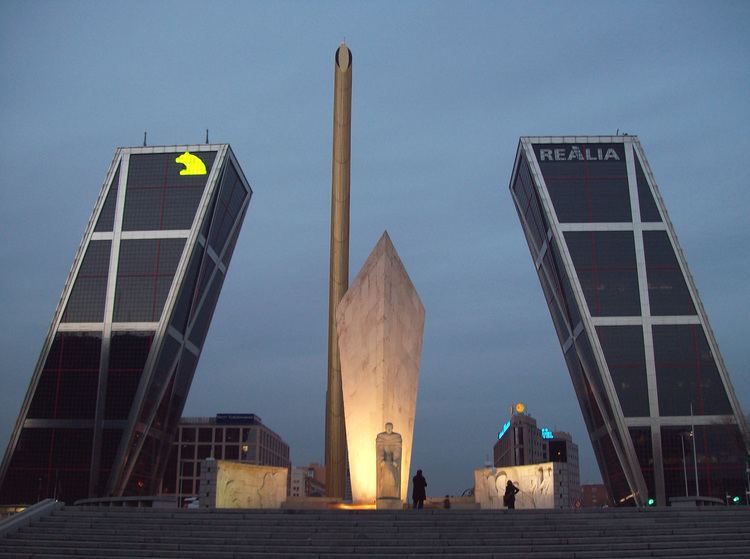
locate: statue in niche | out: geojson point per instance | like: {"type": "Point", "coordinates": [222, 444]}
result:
{"type": "Point", "coordinates": [388, 453]}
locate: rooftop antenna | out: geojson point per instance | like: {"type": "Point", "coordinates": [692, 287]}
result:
{"type": "Point", "coordinates": [206, 135]}
{"type": "Point", "coordinates": [144, 138]}
{"type": "Point", "coordinates": [618, 132]}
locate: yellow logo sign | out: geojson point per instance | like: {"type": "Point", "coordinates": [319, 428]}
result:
{"type": "Point", "coordinates": [193, 164]}
{"type": "Point", "coordinates": [520, 407]}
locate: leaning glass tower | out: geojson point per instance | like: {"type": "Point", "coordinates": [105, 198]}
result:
{"type": "Point", "coordinates": [115, 369]}
{"type": "Point", "coordinates": [644, 362]}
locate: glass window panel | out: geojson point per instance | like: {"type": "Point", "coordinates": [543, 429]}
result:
{"type": "Point", "coordinates": [667, 291]}
{"type": "Point", "coordinates": [202, 321]}
{"type": "Point", "coordinates": [127, 357]}
{"type": "Point", "coordinates": [158, 197]}
{"type": "Point", "coordinates": [606, 268]}
{"type": "Point", "coordinates": [612, 472]}
{"type": "Point", "coordinates": [624, 351]}
{"type": "Point", "coordinates": [68, 384]}
{"type": "Point", "coordinates": [720, 454]}
{"type": "Point", "coordinates": [188, 434]}
{"type": "Point", "coordinates": [231, 197]}
{"type": "Point", "coordinates": [107, 215]}
{"type": "Point", "coordinates": [561, 284]}
{"type": "Point", "coordinates": [558, 321]}
{"type": "Point", "coordinates": [205, 435]}
{"type": "Point", "coordinates": [530, 206]}
{"type": "Point", "coordinates": [641, 437]}
{"type": "Point", "coordinates": [686, 372]}
{"type": "Point", "coordinates": [204, 451]}
{"type": "Point", "coordinates": [646, 202]}
{"type": "Point", "coordinates": [144, 277]}
{"type": "Point", "coordinates": [182, 307]}
{"type": "Point", "coordinates": [233, 241]}
{"type": "Point", "coordinates": [179, 390]}
{"type": "Point", "coordinates": [187, 452]}
{"type": "Point", "coordinates": [86, 301]}
{"type": "Point", "coordinates": [586, 183]}
{"type": "Point", "coordinates": [231, 453]}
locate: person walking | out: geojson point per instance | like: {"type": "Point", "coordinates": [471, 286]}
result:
{"type": "Point", "coordinates": [509, 499]}
{"type": "Point", "coordinates": [418, 494]}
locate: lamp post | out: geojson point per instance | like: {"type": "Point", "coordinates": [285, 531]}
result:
{"type": "Point", "coordinates": [684, 461]}
{"type": "Point", "coordinates": [695, 455]}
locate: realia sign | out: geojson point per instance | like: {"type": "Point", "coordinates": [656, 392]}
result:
{"type": "Point", "coordinates": [602, 152]}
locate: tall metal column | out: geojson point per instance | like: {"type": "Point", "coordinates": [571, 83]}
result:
{"type": "Point", "coordinates": [339, 269]}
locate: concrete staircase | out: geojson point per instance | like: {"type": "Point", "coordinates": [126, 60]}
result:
{"type": "Point", "coordinates": [108, 533]}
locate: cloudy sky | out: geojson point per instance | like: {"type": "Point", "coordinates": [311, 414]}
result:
{"type": "Point", "coordinates": [442, 91]}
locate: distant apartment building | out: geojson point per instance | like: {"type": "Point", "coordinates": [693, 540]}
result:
{"type": "Point", "coordinates": [594, 495]}
{"type": "Point", "coordinates": [308, 481]}
{"type": "Point", "coordinates": [241, 437]}
{"type": "Point", "coordinates": [521, 442]}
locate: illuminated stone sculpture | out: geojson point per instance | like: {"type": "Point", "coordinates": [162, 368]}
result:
{"type": "Point", "coordinates": [380, 322]}
{"type": "Point", "coordinates": [388, 456]}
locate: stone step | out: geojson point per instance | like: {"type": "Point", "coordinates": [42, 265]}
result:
{"type": "Point", "coordinates": [484, 539]}
{"type": "Point", "coordinates": [47, 526]}
{"type": "Point", "coordinates": [73, 521]}
{"type": "Point", "coordinates": [722, 552]}
{"type": "Point", "coordinates": [120, 549]}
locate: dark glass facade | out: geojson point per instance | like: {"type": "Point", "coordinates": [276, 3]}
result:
{"type": "Point", "coordinates": [103, 405]}
{"type": "Point", "coordinates": [643, 361]}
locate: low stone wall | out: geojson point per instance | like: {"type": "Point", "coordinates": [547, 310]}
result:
{"type": "Point", "coordinates": [235, 485]}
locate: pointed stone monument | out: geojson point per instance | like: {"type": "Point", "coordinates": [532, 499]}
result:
{"type": "Point", "coordinates": [380, 322]}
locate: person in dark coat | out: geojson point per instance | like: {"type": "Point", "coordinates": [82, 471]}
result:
{"type": "Point", "coordinates": [509, 499]}
{"type": "Point", "coordinates": [418, 494]}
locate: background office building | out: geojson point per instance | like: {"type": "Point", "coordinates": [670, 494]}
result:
{"type": "Point", "coordinates": [119, 357]}
{"type": "Point", "coordinates": [636, 339]}
{"type": "Point", "coordinates": [521, 442]}
{"type": "Point", "coordinates": [308, 481]}
{"type": "Point", "coordinates": [240, 437]}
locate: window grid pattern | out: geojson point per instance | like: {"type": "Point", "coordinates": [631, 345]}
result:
{"type": "Point", "coordinates": [144, 277]}
{"type": "Point", "coordinates": [605, 264]}
{"type": "Point", "coordinates": [668, 293]}
{"type": "Point", "coordinates": [68, 384]}
{"type": "Point", "coordinates": [158, 197]}
{"type": "Point", "coordinates": [106, 219]}
{"type": "Point", "coordinates": [231, 197]}
{"type": "Point", "coordinates": [626, 360]}
{"type": "Point", "coordinates": [647, 204]}
{"type": "Point", "coordinates": [720, 454]}
{"type": "Point", "coordinates": [602, 185]}
{"type": "Point", "coordinates": [86, 300]}
{"type": "Point", "coordinates": [127, 358]}
{"type": "Point", "coordinates": [251, 444]}
{"type": "Point", "coordinates": [586, 190]}
{"type": "Point", "coordinates": [686, 372]}
{"type": "Point", "coordinates": [530, 205]}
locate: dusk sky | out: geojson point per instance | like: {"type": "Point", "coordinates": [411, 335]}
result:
{"type": "Point", "coordinates": [442, 91]}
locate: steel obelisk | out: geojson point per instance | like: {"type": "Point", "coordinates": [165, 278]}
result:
{"type": "Point", "coordinates": [339, 268]}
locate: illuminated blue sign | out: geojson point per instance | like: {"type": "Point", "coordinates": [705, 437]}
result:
{"type": "Point", "coordinates": [547, 434]}
{"type": "Point", "coordinates": [506, 426]}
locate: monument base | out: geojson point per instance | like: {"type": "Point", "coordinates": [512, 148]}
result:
{"type": "Point", "coordinates": [389, 504]}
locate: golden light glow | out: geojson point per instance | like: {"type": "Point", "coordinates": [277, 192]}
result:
{"type": "Point", "coordinates": [193, 164]}
{"type": "Point", "coordinates": [345, 506]}
{"type": "Point", "coordinates": [520, 407]}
